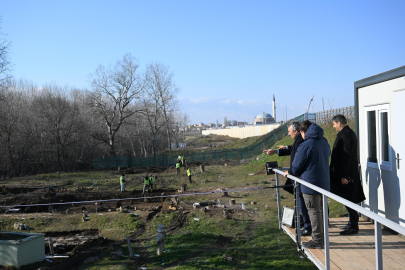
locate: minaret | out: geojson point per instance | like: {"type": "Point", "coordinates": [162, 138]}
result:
{"type": "Point", "coordinates": [274, 108]}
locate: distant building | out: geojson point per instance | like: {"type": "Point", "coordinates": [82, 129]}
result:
{"type": "Point", "coordinates": [232, 123]}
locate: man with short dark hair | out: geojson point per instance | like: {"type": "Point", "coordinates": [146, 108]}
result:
{"type": "Point", "coordinates": [294, 133]}
{"type": "Point", "coordinates": [344, 171]}
{"type": "Point", "coordinates": [311, 163]}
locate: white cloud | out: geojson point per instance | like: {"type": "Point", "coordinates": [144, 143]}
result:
{"type": "Point", "coordinates": [200, 99]}
{"type": "Point", "coordinates": [227, 101]}
{"type": "Point", "coordinates": [241, 102]}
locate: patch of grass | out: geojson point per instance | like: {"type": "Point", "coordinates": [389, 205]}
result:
{"type": "Point", "coordinates": [164, 218]}
{"type": "Point", "coordinates": [115, 225]}
{"type": "Point", "coordinates": [336, 208]}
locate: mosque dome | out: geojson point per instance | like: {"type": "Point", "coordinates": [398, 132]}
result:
{"type": "Point", "coordinates": [264, 118]}
{"type": "Point", "coordinates": [264, 115]}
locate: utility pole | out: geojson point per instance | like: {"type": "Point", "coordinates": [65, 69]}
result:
{"type": "Point", "coordinates": [283, 116]}
{"type": "Point", "coordinates": [323, 109]}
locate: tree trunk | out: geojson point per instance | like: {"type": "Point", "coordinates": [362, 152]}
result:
{"type": "Point", "coordinates": [169, 140]}
{"type": "Point", "coordinates": [112, 146]}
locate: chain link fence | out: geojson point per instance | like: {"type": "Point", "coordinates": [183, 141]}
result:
{"type": "Point", "coordinates": [325, 117]}
{"type": "Point", "coordinates": [202, 157]}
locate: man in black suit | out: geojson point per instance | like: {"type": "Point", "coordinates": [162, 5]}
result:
{"type": "Point", "coordinates": [294, 133]}
{"type": "Point", "coordinates": [344, 171]}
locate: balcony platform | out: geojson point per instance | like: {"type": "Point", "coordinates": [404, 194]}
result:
{"type": "Point", "coordinates": [356, 251]}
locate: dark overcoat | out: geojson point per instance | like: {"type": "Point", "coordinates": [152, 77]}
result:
{"type": "Point", "coordinates": [290, 151]}
{"type": "Point", "coordinates": [344, 164]}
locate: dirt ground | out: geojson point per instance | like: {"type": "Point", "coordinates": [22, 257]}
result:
{"type": "Point", "coordinates": [94, 245]}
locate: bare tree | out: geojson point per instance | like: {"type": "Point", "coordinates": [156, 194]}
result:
{"type": "Point", "coordinates": [5, 62]}
{"type": "Point", "coordinates": [18, 132]}
{"type": "Point", "coordinates": [114, 89]}
{"type": "Point", "coordinates": [153, 112]}
{"type": "Point", "coordinates": [60, 121]}
{"type": "Point", "coordinates": [181, 122]}
{"type": "Point", "coordinates": [163, 93]}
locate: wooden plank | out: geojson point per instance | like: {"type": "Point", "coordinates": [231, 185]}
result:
{"type": "Point", "coordinates": [318, 254]}
{"type": "Point", "coordinates": [338, 260]}
{"type": "Point", "coordinates": [358, 251]}
{"type": "Point", "coordinates": [393, 259]}
{"type": "Point", "coordinates": [355, 259]}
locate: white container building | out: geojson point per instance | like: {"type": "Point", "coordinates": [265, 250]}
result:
{"type": "Point", "coordinates": [380, 108]}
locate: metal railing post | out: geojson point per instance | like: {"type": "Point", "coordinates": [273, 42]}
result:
{"type": "Point", "coordinates": [326, 230]}
{"type": "Point", "coordinates": [378, 245]}
{"type": "Point", "coordinates": [298, 215]}
{"type": "Point", "coordinates": [278, 202]}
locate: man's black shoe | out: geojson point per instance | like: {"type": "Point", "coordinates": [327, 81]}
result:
{"type": "Point", "coordinates": [312, 244]}
{"type": "Point", "coordinates": [305, 232]}
{"type": "Point", "coordinates": [349, 231]}
{"type": "Point", "coordinates": [345, 227]}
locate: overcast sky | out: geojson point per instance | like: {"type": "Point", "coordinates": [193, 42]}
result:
{"type": "Point", "coordinates": [228, 57]}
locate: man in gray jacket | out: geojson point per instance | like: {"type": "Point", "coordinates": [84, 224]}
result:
{"type": "Point", "coordinates": [294, 133]}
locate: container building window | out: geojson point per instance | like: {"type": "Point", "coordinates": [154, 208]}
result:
{"type": "Point", "coordinates": [372, 137]}
{"type": "Point", "coordinates": [384, 137]}
{"type": "Point", "coordinates": [378, 140]}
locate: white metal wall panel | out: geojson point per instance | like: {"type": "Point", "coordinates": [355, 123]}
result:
{"type": "Point", "coordinates": [381, 185]}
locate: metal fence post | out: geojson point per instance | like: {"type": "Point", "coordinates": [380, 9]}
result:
{"type": "Point", "coordinates": [378, 245]}
{"type": "Point", "coordinates": [298, 215]}
{"type": "Point", "coordinates": [326, 230]}
{"type": "Point", "coordinates": [278, 202]}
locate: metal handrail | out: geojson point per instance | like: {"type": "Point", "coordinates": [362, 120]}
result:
{"type": "Point", "coordinates": [378, 220]}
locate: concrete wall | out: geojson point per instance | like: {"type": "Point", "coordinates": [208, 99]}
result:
{"type": "Point", "coordinates": [381, 185]}
{"type": "Point", "coordinates": [243, 132]}
{"type": "Point", "coordinates": [22, 252]}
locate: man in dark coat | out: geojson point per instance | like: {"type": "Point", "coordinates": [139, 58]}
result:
{"type": "Point", "coordinates": [311, 164]}
{"type": "Point", "coordinates": [344, 171]}
{"type": "Point", "coordinates": [294, 133]}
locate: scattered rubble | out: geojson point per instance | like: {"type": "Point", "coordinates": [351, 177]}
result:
{"type": "Point", "coordinates": [19, 226]}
